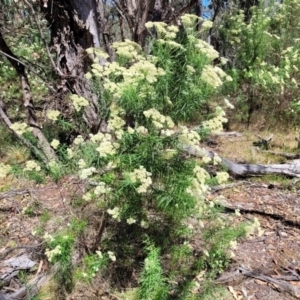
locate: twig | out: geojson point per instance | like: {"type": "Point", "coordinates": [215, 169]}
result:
{"type": "Point", "coordinates": [30, 69]}
{"type": "Point", "coordinates": [43, 38]}
{"type": "Point", "coordinates": [100, 232]}
{"type": "Point", "coordinates": [282, 286]}
{"type": "Point", "coordinates": [286, 155]}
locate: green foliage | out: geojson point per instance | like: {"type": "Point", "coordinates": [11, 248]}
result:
{"type": "Point", "coordinates": [218, 238]}
{"type": "Point", "coordinates": [137, 175]}
{"type": "Point", "coordinates": [264, 57]}
{"type": "Point", "coordinates": [92, 265]}
{"type": "Point", "coordinates": [59, 251]}
{"type": "Point", "coordinates": [152, 282]}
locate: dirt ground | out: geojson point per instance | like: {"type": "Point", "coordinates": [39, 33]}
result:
{"type": "Point", "coordinates": [265, 266]}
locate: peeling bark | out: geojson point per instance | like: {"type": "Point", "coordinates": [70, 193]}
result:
{"type": "Point", "coordinates": [74, 28]}
{"type": "Point", "coordinates": [137, 13]}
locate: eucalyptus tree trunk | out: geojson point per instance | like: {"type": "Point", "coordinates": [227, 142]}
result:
{"type": "Point", "coordinates": [74, 27]}
{"type": "Point", "coordinates": [136, 13]}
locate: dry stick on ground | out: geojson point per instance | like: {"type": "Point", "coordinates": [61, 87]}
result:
{"type": "Point", "coordinates": [6, 252]}
{"type": "Point", "coordinates": [283, 154]}
{"type": "Point", "coordinates": [282, 286]}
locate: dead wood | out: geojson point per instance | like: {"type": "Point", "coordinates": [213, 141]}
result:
{"type": "Point", "coordinates": [230, 133]}
{"type": "Point", "coordinates": [280, 285]}
{"type": "Point", "coordinates": [291, 169]}
{"type": "Point", "coordinates": [283, 154]}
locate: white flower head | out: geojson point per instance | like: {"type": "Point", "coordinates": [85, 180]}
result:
{"type": "Point", "coordinates": [111, 255]}
{"type": "Point", "coordinates": [131, 221]}
{"type": "Point", "coordinates": [54, 144]}
{"type": "Point", "coordinates": [52, 114]}
{"type": "Point", "coordinates": [4, 170]}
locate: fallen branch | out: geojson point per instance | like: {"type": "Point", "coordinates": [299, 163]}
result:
{"type": "Point", "coordinates": [229, 133]}
{"type": "Point", "coordinates": [291, 169]}
{"type": "Point", "coordinates": [282, 286]}
{"type": "Point", "coordinates": [8, 251]}
{"type": "Point", "coordinates": [284, 154]}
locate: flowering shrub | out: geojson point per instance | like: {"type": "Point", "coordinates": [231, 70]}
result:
{"type": "Point", "coordinates": [264, 56]}
{"type": "Point", "coordinates": [136, 172]}
{"type": "Point", "coordinates": [141, 177]}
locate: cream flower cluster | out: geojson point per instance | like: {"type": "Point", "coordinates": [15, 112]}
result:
{"type": "Point", "coordinates": [141, 69]}
{"type": "Point", "coordinates": [98, 52]}
{"type": "Point", "coordinates": [53, 115]}
{"type": "Point", "coordinates": [52, 253]}
{"type": "Point", "coordinates": [216, 159]}
{"type": "Point", "coordinates": [228, 104]}
{"type": "Point", "coordinates": [102, 188]}
{"type": "Point", "coordinates": [106, 145]}
{"type": "Point", "coordinates": [20, 128]}
{"type": "Point", "coordinates": [81, 163]}
{"type": "Point", "coordinates": [130, 221]}
{"type": "Point", "coordinates": [48, 237]}
{"type": "Point", "coordinates": [70, 153]}
{"type": "Point", "coordinates": [215, 125]}
{"type": "Point", "coordinates": [214, 76]}
{"type": "Point", "coordinates": [207, 49]}
{"type": "Point", "coordinates": [54, 144]}
{"type": "Point", "coordinates": [142, 176]}
{"type": "Point", "coordinates": [85, 173]}
{"type": "Point", "coordinates": [188, 137]}
{"type": "Point", "coordinates": [4, 170]}
{"type": "Point", "coordinates": [222, 177]}
{"type": "Point", "coordinates": [115, 122]}
{"type": "Point", "coordinates": [171, 44]}
{"type": "Point", "coordinates": [108, 69]}
{"type": "Point", "coordinates": [141, 130]}
{"type": "Point", "coordinates": [198, 187]}
{"type": "Point", "coordinates": [87, 196]}
{"type": "Point", "coordinates": [206, 25]}
{"type": "Point", "coordinates": [78, 140]}
{"type": "Point", "coordinates": [189, 20]}
{"type": "Point", "coordinates": [115, 213]}
{"type": "Point", "coordinates": [78, 102]}
{"type": "Point", "coordinates": [31, 165]}
{"type": "Point", "coordinates": [127, 49]}
{"type": "Point", "coordinates": [159, 121]}
{"type": "Point", "coordinates": [163, 30]}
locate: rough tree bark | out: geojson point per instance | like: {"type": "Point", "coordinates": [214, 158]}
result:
{"type": "Point", "coordinates": [27, 99]}
{"type": "Point", "coordinates": [136, 13]}
{"type": "Point", "coordinates": [74, 27]}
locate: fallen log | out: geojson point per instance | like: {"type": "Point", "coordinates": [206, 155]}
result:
{"type": "Point", "coordinates": [291, 169]}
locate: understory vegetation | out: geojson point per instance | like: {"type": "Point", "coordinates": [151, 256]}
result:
{"type": "Point", "coordinates": [143, 224]}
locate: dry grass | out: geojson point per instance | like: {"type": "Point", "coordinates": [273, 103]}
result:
{"type": "Point", "coordinates": [241, 149]}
